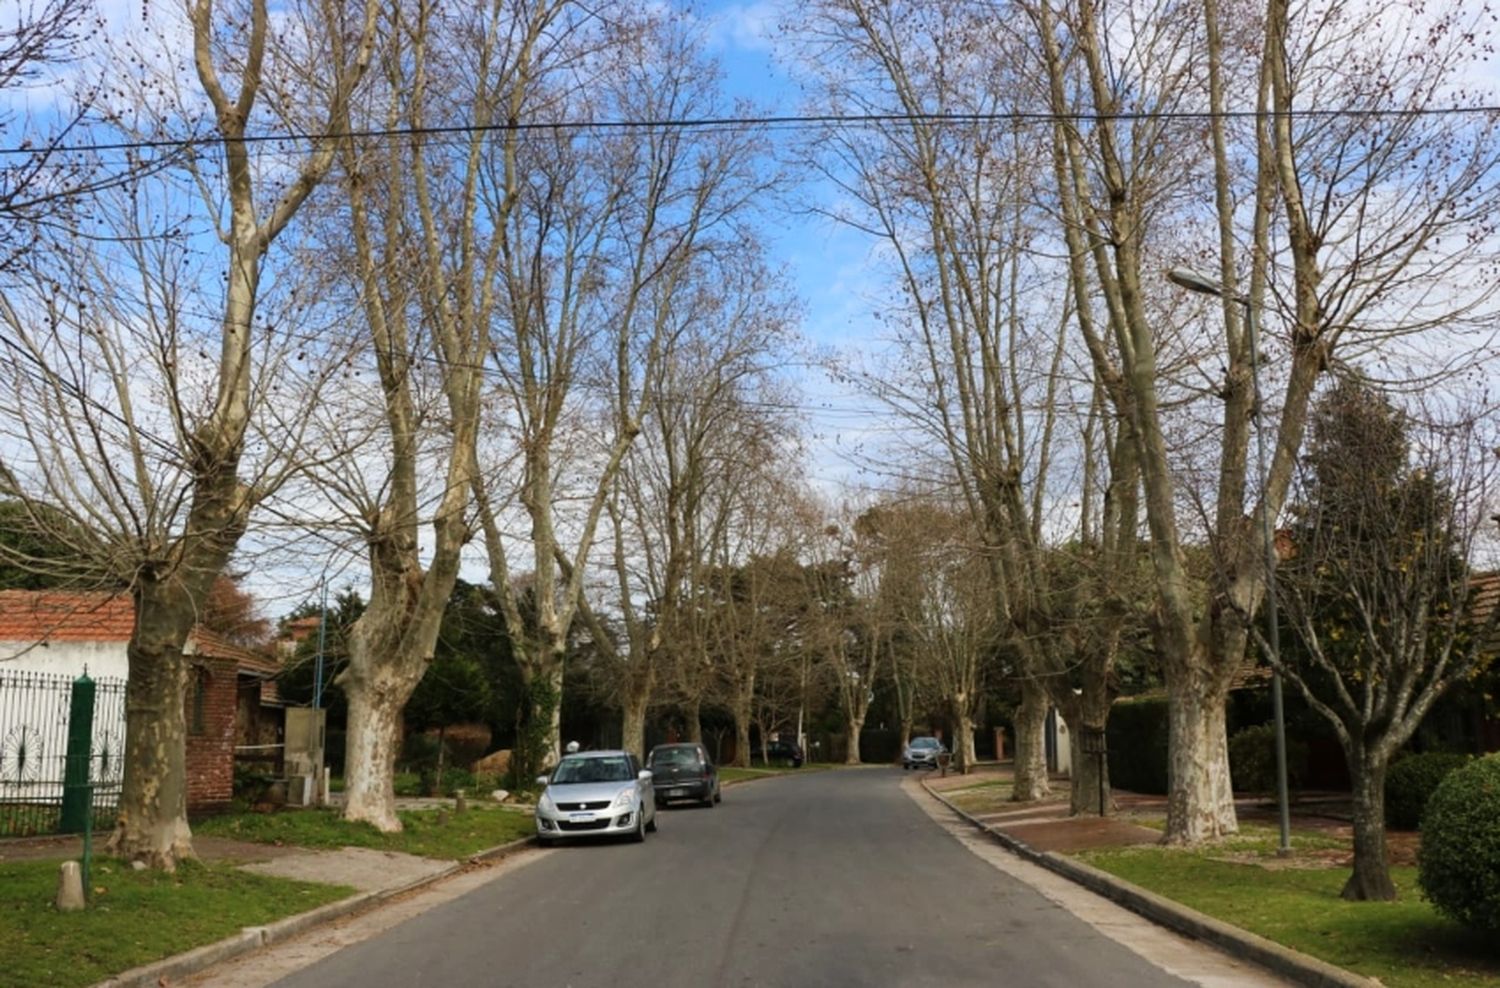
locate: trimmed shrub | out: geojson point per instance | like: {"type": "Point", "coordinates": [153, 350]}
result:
{"type": "Point", "coordinates": [1410, 783]}
{"type": "Point", "coordinates": [1252, 760]}
{"type": "Point", "coordinates": [1458, 864]}
{"type": "Point", "coordinates": [465, 742]}
{"type": "Point", "coordinates": [1136, 740]}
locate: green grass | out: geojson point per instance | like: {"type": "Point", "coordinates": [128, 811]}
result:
{"type": "Point", "coordinates": [134, 917]}
{"type": "Point", "coordinates": [1405, 944]}
{"type": "Point", "coordinates": [729, 773]}
{"type": "Point", "coordinates": [464, 834]}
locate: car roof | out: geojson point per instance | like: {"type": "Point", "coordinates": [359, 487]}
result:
{"type": "Point", "coordinates": [610, 753]}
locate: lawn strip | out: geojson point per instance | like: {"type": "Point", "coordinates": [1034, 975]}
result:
{"type": "Point", "coordinates": [459, 836]}
{"type": "Point", "coordinates": [1405, 944]}
{"type": "Point", "coordinates": [134, 917]}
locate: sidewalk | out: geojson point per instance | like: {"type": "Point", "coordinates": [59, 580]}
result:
{"type": "Point", "coordinates": [1043, 832]}
{"type": "Point", "coordinates": [378, 876]}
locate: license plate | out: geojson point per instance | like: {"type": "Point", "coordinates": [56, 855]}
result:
{"type": "Point", "coordinates": [580, 817]}
{"type": "Point", "coordinates": [676, 792]}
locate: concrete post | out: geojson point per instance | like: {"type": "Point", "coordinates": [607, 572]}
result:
{"type": "Point", "coordinates": [69, 887]}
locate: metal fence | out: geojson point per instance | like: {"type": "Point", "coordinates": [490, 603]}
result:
{"type": "Point", "coordinates": [34, 711]}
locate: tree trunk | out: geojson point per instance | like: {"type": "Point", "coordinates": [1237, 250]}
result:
{"type": "Point", "coordinates": [370, 750]}
{"type": "Point", "coordinates": [692, 713]}
{"type": "Point", "coordinates": [1031, 747]}
{"type": "Point", "coordinates": [1090, 783]}
{"type": "Point", "coordinates": [1371, 878]}
{"type": "Point", "coordinates": [633, 722]}
{"type": "Point", "coordinates": [963, 741]}
{"type": "Point", "coordinates": [742, 737]}
{"type": "Point", "coordinates": [152, 823]}
{"type": "Point", "coordinates": [852, 733]}
{"type": "Point", "coordinates": [1200, 800]}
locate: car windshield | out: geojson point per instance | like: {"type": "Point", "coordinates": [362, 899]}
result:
{"type": "Point", "coordinates": [582, 770]}
{"type": "Point", "coordinates": [925, 743]}
{"type": "Point", "coordinates": [674, 757]}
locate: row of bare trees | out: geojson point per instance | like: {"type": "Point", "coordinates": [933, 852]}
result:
{"type": "Point", "coordinates": [499, 323]}
{"type": "Point", "coordinates": [1050, 160]}
{"type": "Point", "coordinates": [487, 303]}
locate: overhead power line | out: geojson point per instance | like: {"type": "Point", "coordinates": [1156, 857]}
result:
{"type": "Point", "coordinates": [777, 122]}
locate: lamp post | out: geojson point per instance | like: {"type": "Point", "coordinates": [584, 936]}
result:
{"type": "Point", "coordinates": [1204, 285]}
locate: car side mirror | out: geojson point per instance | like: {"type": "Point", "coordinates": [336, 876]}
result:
{"type": "Point", "coordinates": [644, 775]}
{"type": "Point", "coordinates": [542, 780]}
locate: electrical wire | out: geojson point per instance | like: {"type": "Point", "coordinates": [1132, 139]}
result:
{"type": "Point", "coordinates": [776, 121]}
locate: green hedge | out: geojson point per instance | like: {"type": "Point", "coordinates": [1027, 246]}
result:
{"type": "Point", "coordinates": [1136, 740]}
{"type": "Point", "coordinates": [1252, 760]}
{"type": "Point", "coordinates": [1410, 783]}
{"type": "Point", "coordinates": [1458, 863]}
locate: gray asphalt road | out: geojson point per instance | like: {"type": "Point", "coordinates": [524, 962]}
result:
{"type": "Point", "coordinates": [828, 878]}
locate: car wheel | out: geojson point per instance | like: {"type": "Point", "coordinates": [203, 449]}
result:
{"type": "Point", "coordinates": [651, 824]}
{"type": "Point", "coordinates": [639, 835]}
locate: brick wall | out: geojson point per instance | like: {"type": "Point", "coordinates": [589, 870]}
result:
{"type": "Point", "coordinates": [210, 698]}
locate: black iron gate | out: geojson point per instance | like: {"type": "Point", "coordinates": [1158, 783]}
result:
{"type": "Point", "coordinates": [34, 710]}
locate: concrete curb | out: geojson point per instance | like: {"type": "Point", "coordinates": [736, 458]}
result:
{"type": "Point", "coordinates": [1292, 964]}
{"type": "Point", "coordinates": [254, 937]}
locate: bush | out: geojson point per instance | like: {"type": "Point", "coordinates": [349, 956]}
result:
{"type": "Point", "coordinates": [1136, 740]}
{"type": "Point", "coordinates": [1252, 760]}
{"type": "Point", "coordinates": [1410, 783]}
{"type": "Point", "coordinates": [1458, 864]}
{"type": "Point", "coordinates": [466, 743]}
{"type": "Point", "coordinates": [252, 783]}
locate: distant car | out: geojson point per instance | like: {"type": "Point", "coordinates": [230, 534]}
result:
{"type": "Point", "coordinates": [922, 753]}
{"type": "Point", "coordinates": [783, 750]}
{"type": "Point", "coordinates": [596, 794]}
{"type": "Point", "coordinates": [683, 771]}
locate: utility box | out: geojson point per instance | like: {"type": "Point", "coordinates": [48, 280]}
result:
{"type": "Point", "coordinates": [306, 730]}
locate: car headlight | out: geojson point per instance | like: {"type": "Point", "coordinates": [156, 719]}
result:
{"type": "Point", "coordinates": [626, 797]}
{"type": "Point", "coordinates": [545, 804]}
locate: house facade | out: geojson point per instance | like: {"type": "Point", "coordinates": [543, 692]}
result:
{"type": "Point", "coordinates": [231, 706]}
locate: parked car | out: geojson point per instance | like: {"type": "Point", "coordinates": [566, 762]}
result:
{"type": "Point", "coordinates": [922, 753]}
{"type": "Point", "coordinates": [596, 794]}
{"type": "Point", "coordinates": [683, 771]}
{"type": "Point", "coordinates": [783, 750]}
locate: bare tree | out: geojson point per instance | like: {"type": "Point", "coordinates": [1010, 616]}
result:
{"type": "Point", "coordinates": [41, 179]}
{"type": "Point", "coordinates": [146, 450]}
{"type": "Point", "coordinates": [1344, 269]}
{"type": "Point", "coordinates": [422, 260]}
{"type": "Point", "coordinates": [979, 359]}
{"type": "Point", "coordinates": [734, 324]}
{"type": "Point", "coordinates": [600, 237]}
{"type": "Point", "coordinates": [1378, 591]}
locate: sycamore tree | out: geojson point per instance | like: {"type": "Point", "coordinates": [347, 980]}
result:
{"type": "Point", "coordinates": [597, 238]}
{"type": "Point", "coordinates": [1378, 592]}
{"type": "Point", "coordinates": [714, 390]}
{"type": "Point", "coordinates": [412, 247]}
{"type": "Point", "coordinates": [145, 356]}
{"type": "Point", "coordinates": [1368, 225]}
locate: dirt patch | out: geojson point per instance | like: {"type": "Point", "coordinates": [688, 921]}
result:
{"type": "Point", "coordinates": [64, 848]}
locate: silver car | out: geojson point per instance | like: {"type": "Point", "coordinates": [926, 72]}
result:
{"type": "Point", "coordinates": [596, 794]}
{"type": "Point", "coordinates": [922, 753]}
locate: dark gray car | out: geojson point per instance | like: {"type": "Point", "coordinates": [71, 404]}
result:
{"type": "Point", "coordinates": [683, 771]}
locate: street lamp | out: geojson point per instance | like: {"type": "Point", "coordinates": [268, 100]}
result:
{"type": "Point", "coordinates": [1204, 285]}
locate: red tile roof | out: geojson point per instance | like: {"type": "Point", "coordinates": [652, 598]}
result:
{"type": "Point", "coordinates": [33, 616]}
{"type": "Point", "coordinates": [205, 642]}
{"type": "Point", "coordinates": [59, 616]}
